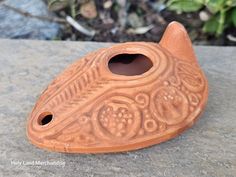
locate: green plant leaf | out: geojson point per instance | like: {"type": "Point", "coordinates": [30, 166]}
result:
{"type": "Point", "coordinates": [216, 24]}
{"type": "Point", "coordinates": [199, 1]}
{"type": "Point", "coordinates": [231, 3]}
{"type": "Point", "coordinates": [223, 12]}
{"type": "Point", "coordinates": [185, 5]}
{"type": "Point", "coordinates": [215, 5]}
{"type": "Point", "coordinates": [211, 25]}
{"type": "Point", "coordinates": [229, 18]}
{"type": "Point", "coordinates": [221, 22]}
{"type": "Point", "coordinates": [233, 16]}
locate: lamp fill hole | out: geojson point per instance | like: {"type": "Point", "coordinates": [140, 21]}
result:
{"type": "Point", "coordinates": [45, 118]}
{"type": "Point", "coordinates": [129, 64]}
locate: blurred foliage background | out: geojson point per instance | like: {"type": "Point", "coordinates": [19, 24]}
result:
{"type": "Point", "coordinates": [221, 13]}
{"type": "Point", "coordinates": [209, 22]}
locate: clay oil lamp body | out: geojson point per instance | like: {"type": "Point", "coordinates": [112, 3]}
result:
{"type": "Point", "coordinates": [125, 97]}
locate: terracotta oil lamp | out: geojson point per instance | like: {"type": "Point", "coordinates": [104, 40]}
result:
{"type": "Point", "coordinates": [125, 97]}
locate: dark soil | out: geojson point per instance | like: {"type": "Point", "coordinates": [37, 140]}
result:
{"type": "Point", "coordinates": [108, 27]}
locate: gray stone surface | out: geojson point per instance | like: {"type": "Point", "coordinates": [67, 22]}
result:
{"type": "Point", "coordinates": [208, 149]}
{"type": "Point", "coordinates": [15, 25]}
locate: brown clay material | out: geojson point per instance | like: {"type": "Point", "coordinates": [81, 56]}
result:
{"type": "Point", "coordinates": [125, 97]}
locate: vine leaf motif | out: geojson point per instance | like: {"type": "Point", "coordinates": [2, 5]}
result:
{"type": "Point", "coordinates": [79, 131]}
